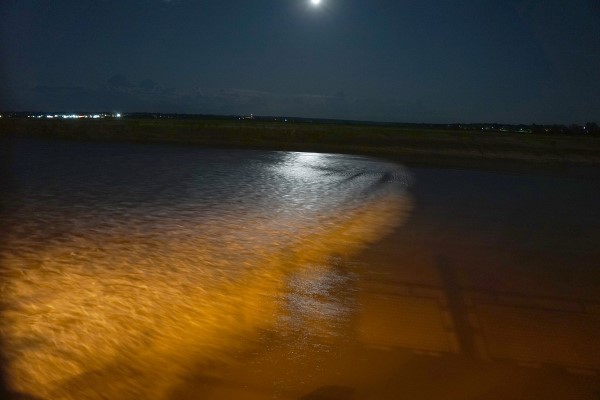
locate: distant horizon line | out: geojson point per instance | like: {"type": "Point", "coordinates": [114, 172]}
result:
{"type": "Point", "coordinates": [280, 118]}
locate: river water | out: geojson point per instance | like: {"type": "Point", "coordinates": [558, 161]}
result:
{"type": "Point", "coordinates": [159, 272]}
{"type": "Point", "coordinates": [125, 266]}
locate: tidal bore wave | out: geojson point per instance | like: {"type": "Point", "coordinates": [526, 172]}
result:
{"type": "Point", "coordinates": [120, 293]}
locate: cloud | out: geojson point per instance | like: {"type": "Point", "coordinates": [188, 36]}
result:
{"type": "Point", "coordinates": [120, 81]}
{"type": "Point", "coordinates": [119, 93]}
{"type": "Point", "coordinates": [147, 84]}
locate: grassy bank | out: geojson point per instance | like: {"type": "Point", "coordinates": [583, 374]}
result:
{"type": "Point", "coordinates": [408, 145]}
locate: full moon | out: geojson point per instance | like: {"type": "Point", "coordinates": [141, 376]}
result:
{"type": "Point", "coordinates": [315, 2]}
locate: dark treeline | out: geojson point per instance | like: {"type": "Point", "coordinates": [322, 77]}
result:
{"type": "Point", "coordinates": [588, 129]}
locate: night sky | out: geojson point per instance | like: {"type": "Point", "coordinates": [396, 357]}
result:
{"type": "Point", "coordinates": [437, 61]}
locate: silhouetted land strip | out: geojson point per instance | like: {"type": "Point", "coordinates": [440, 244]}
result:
{"type": "Point", "coordinates": [408, 145]}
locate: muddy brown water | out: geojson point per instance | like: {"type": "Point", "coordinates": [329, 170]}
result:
{"type": "Point", "coordinates": [133, 271]}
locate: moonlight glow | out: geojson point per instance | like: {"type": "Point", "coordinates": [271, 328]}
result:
{"type": "Point", "coordinates": [315, 2]}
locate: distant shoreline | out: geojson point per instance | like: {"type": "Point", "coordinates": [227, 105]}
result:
{"type": "Point", "coordinates": [426, 147]}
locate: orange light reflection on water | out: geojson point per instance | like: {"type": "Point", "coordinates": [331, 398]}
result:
{"type": "Point", "coordinates": [99, 314]}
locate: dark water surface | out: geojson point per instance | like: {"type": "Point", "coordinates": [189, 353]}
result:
{"type": "Point", "coordinates": [166, 272]}
{"type": "Point", "coordinates": [126, 267]}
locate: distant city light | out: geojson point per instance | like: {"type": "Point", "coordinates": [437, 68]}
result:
{"type": "Point", "coordinates": [75, 116]}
